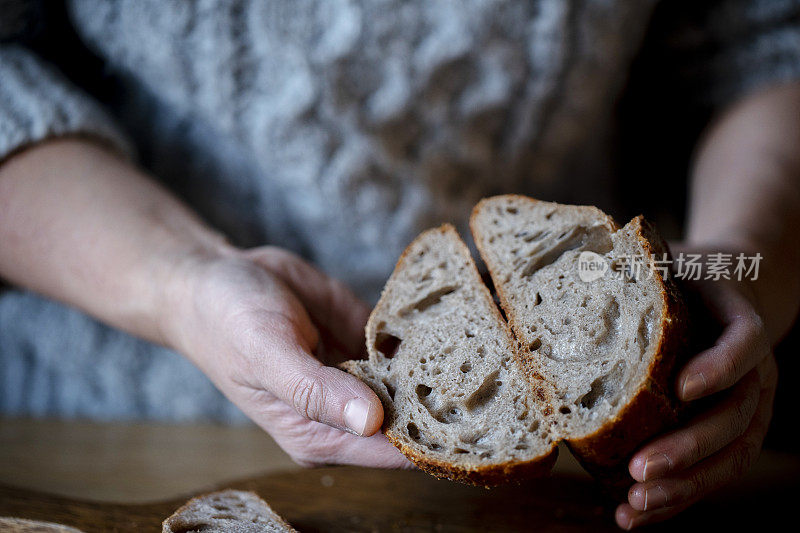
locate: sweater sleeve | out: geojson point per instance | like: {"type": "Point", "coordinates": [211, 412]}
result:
{"type": "Point", "coordinates": [722, 49]}
{"type": "Point", "coordinates": [37, 103]}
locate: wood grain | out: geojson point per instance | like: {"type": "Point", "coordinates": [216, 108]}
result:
{"type": "Point", "coordinates": [93, 465]}
{"type": "Point", "coordinates": [338, 499]}
{"type": "Point", "coordinates": [355, 499]}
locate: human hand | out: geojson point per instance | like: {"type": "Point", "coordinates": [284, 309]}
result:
{"type": "Point", "coordinates": [262, 324]}
{"type": "Point", "coordinates": [731, 386]}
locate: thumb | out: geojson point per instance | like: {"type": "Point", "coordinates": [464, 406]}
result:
{"type": "Point", "coordinates": [318, 392]}
{"type": "Point", "coordinates": [333, 397]}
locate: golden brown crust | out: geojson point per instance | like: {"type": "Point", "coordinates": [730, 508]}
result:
{"type": "Point", "coordinates": [486, 476]}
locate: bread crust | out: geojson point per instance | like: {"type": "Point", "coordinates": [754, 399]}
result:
{"type": "Point", "coordinates": [483, 476]}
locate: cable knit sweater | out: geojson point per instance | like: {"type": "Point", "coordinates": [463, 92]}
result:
{"type": "Point", "coordinates": [337, 128]}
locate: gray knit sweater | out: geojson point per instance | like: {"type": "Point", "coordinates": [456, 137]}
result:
{"type": "Point", "coordinates": [337, 128]}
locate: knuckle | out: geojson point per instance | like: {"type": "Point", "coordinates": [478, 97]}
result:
{"type": "Point", "coordinates": [307, 395]}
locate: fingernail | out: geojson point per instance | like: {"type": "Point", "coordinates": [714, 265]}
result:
{"type": "Point", "coordinates": [655, 465]}
{"type": "Point", "coordinates": [654, 498]}
{"type": "Point", "coordinates": [637, 498]}
{"type": "Point", "coordinates": [356, 413]}
{"type": "Point", "coordinates": [694, 386]}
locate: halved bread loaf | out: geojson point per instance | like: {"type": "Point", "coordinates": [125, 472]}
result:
{"type": "Point", "coordinates": [588, 361]}
{"type": "Point", "coordinates": [606, 346]}
{"type": "Point", "coordinates": [230, 511]}
{"type": "Point", "coordinates": [441, 359]}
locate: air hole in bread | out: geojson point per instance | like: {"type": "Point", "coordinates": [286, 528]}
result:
{"type": "Point", "coordinates": [485, 393]}
{"type": "Point", "coordinates": [645, 329]}
{"type": "Point", "coordinates": [423, 391]}
{"type": "Point", "coordinates": [466, 366]}
{"type": "Point", "coordinates": [390, 389]}
{"type": "Point", "coordinates": [387, 344]}
{"type": "Point", "coordinates": [594, 238]}
{"type": "Point", "coordinates": [536, 344]}
{"type": "Point", "coordinates": [412, 430]}
{"type": "Point", "coordinates": [528, 236]}
{"type": "Point", "coordinates": [565, 410]}
{"type": "Point", "coordinates": [604, 387]}
{"type": "Point", "coordinates": [459, 450]}
{"type": "Point", "coordinates": [428, 301]}
{"type": "Point", "coordinates": [448, 414]}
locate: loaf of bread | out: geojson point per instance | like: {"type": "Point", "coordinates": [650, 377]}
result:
{"type": "Point", "coordinates": [471, 396]}
{"type": "Point", "coordinates": [229, 511]}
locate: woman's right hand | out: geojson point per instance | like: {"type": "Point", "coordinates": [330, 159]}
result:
{"type": "Point", "coordinates": [263, 324]}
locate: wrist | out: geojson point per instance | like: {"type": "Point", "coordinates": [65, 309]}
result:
{"type": "Point", "coordinates": [177, 284]}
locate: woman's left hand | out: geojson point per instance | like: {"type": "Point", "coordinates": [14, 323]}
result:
{"type": "Point", "coordinates": [731, 386]}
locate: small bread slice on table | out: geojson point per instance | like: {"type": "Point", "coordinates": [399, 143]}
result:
{"type": "Point", "coordinates": [230, 511]}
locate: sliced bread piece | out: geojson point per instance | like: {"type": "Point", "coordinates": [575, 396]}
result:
{"type": "Point", "coordinates": [605, 347]}
{"type": "Point", "coordinates": [231, 511]}
{"type": "Point", "coordinates": [443, 362]}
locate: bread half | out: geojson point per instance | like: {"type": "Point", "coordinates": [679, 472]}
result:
{"type": "Point", "coordinates": [229, 511]}
{"type": "Point", "coordinates": [442, 360]}
{"type": "Point", "coordinates": [605, 345]}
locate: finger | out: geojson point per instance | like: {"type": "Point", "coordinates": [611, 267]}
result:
{"type": "Point", "coordinates": [281, 363]}
{"type": "Point", "coordinates": [704, 435]}
{"type": "Point", "coordinates": [738, 350]}
{"type": "Point", "coordinates": [332, 306]}
{"type": "Point", "coordinates": [690, 485]}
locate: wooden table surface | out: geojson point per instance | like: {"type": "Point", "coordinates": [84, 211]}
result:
{"type": "Point", "coordinates": [139, 465]}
